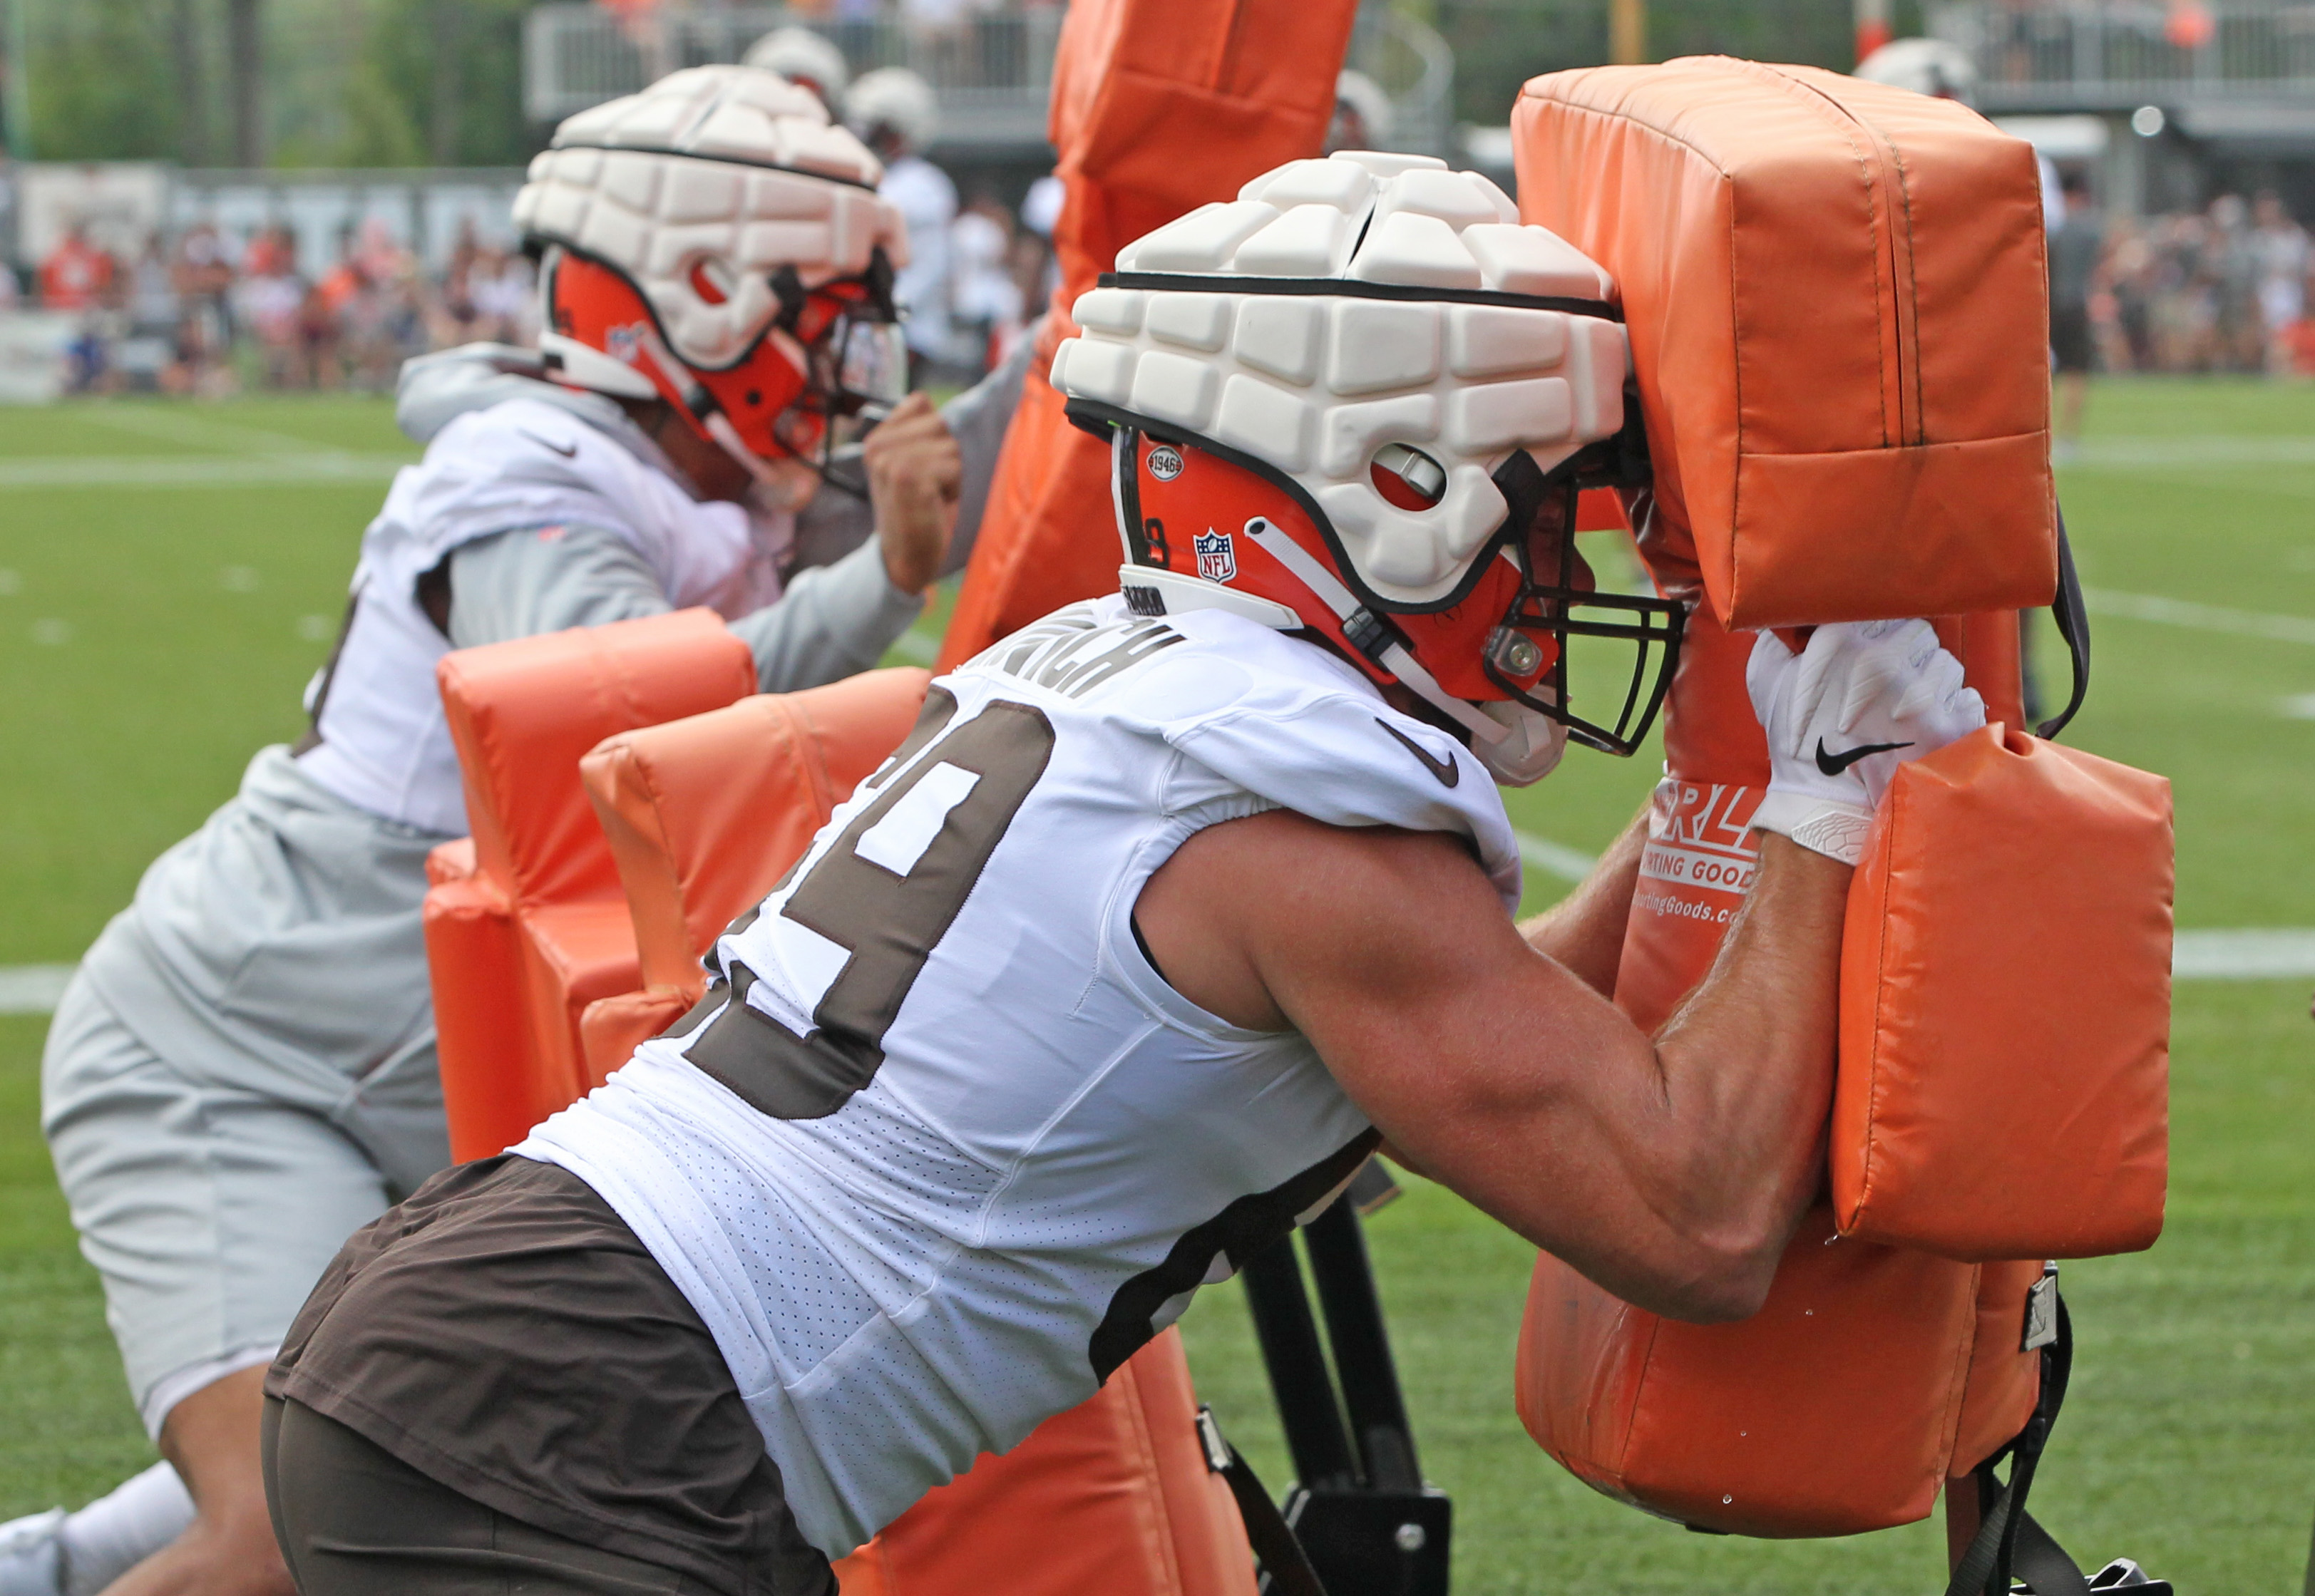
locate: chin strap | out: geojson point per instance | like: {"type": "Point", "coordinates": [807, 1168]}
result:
{"type": "Point", "coordinates": [717, 426]}
{"type": "Point", "coordinates": [1371, 634]}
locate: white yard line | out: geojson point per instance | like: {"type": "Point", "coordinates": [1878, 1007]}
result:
{"type": "Point", "coordinates": [201, 431]}
{"type": "Point", "coordinates": [2158, 454]}
{"type": "Point", "coordinates": [32, 989]}
{"type": "Point", "coordinates": [2201, 617]}
{"type": "Point", "coordinates": [196, 471]}
{"type": "Point", "coordinates": [1554, 859]}
{"type": "Point", "coordinates": [2262, 954]}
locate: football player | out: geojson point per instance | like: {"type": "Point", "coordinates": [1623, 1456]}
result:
{"type": "Point", "coordinates": [243, 1072]}
{"type": "Point", "coordinates": [1172, 907]}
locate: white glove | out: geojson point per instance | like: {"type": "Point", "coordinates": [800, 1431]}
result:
{"type": "Point", "coordinates": [1841, 715]}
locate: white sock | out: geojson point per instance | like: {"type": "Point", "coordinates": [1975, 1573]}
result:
{"type": "Point", "coordinates": [116, 1533]}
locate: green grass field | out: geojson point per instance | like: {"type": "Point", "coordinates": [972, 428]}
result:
{"type": "Point", "coordinates": [169, 578]}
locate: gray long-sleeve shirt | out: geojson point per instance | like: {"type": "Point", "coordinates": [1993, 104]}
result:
{"type": "Point", "coordinates": [837, 615]}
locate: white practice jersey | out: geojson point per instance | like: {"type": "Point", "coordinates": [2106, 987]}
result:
{"type": "Point", "coordinates": [521, 463]}
{"type": "Point", "coordinates": [941, 1150]}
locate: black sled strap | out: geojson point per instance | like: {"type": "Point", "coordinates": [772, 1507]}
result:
{"type": "Point", "coordinates": [1286, 1569]}
{"type": "Point", "coordinates": [2008, 1540]}
{"type": "Point", "coordinates": [2073, 618]}
{"type": "Point", "coordinates": [1985, 1568]}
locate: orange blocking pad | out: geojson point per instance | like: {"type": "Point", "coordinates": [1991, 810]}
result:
{"type": "Point", "coordinates": [1111, 1497]}
{"type": "Point", "coordinates": [1836, 296]}
{"type": "Point", "coordinates": [525, 923]}
{"type": "Point", "coordinates": [1158, 106]}
{"type": "Point", "coordinates": [1836, 1408]}
{"type": "Point", "coordinates": [1874, 1373]}
{"type": "Point", "coordinates": [704, 815]}
{"type": "Point", "coordinates": [2005, 1007]}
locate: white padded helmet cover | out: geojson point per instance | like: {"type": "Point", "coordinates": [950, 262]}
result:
{"type": "Point", "coordinates": [799, 52]}
{"type": "Point", "coordinates": [1314, 384]}
{"type": "Point", "coordinates": [896, 98]}
{"type": "Point", "coordinates": [728, 168]}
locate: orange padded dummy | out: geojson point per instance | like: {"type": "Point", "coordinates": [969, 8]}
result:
{"type": "Point", "coordinates": [1983, 1115]}
{"type": "Point", "coordinates": [1159, 106]}
{"type": "Point", "coordinates": [1835, 298]}
{"type": "Point", "coordinates": [1112, 1496]}
{"type": "Point", "coordinates": [526, 924]}
{"type": "Point", "coordinates": [705, 815]}
{"type": "Point", "coordinates": [1839, 1407]}
{"type": "Point", "coordinates": [1872, 1374]}
{"type": "Point", "coordinates": [1838, 310]}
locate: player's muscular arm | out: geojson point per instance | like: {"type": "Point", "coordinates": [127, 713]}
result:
{"type": "Point", "coordinates": [1584, 930]}
{"type": "Point", "coordinates": [1672, 1171]}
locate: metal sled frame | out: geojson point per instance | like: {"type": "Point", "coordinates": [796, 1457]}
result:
{"type": "Point", "coordinates": [1359, 1520]}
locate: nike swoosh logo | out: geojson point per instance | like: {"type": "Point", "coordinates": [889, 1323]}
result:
{"type": "Point", "coordinates": [1834, 763]}
{"type": "Point", "coordinates": [567, 450]}
{"type": "Point", "coordinates": [1448, 772]}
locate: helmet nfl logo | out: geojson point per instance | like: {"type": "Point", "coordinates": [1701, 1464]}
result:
{"type": "Point", "coordinates": [1217, 560]}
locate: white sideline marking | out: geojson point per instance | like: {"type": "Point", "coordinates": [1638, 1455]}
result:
{"type": "Point", "coordinates": [32, 989]}
{"type": "Point", "coordinates": [2202, 617]}
{"type": "Point", "coordinates": [2300, 707]}
{"type": "Point", "coordinates": [1554, 859]}
{"type": "Point", "coordinates": [194, 471]}
{"type": "Point", "coordinates": [2263, 955]}
{"type": "Point", "coordinates": [178, 426]}
{"type": "Point", "coordinates": [2156, 454]}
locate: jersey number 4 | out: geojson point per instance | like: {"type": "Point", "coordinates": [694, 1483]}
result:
{"type": "Point", "coordinates": [880, 895]}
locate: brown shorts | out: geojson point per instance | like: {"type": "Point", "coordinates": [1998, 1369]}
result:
{"type": "Point", "coordinates": [504, 1334]}
{"type": "Point", "coordinates": [354, 1519]}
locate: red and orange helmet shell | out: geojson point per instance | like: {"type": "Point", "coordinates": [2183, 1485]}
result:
{"type": "Point", "coordinates": [1194, 508]}
{"type": "Point", "coordinates": [598, 306]}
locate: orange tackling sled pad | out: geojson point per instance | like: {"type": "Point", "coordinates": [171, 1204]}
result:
{"type": "Point", "coordinates": [1159, 106]}
{"type": "Point", "coordinates": [2005, 1007]}
{"type": "Point", "coordinates": [1837, 300]}
{"type": "Point", "coordinates": [1874, 1373]}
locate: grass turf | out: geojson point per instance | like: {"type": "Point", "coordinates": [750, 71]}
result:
{"type": "Point", "coordinates": [152, 637]}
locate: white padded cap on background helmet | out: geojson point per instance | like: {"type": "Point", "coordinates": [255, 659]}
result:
{"type": "Point", "coordinates": [1936, 67]}
{"type": "Point", "coordinates": [700, 190]}
{"type": "Point", "coordinates": [801, 55]}
{"type": "Point", "coordinates": [1365, 96]}
{"type": "Point", "coordinates": [894, 97]}
{"type": "Point", "coordinates": [1341, 307]}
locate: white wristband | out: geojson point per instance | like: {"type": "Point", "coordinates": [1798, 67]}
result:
{"type": "Point", "coordinates": [1826, 825]}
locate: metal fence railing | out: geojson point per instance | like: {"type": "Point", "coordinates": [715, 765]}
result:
{"type": "Point", "coordinates": [2111, 55]}
{"type": "Point", "coordinates": [992, 72]}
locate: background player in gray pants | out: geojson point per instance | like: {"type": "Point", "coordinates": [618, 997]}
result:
{"type": "Point", "coordinates": [243, 1072]}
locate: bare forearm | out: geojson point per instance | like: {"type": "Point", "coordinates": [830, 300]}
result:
{"type": "Point", "coordinates": [1747, 1061]}
{"type": "Point", "coordinates": [1584, 930]}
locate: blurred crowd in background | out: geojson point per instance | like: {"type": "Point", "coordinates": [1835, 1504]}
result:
{"type": "Point", "coordinates": [199, 310]}
{"type": "Point", "coordinates": [2224, 289]}
{"type": "Point", "coordinates": [202, 312]}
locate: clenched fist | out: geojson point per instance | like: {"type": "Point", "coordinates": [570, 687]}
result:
{"type": "Point", "coordinates": [915, 472]}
